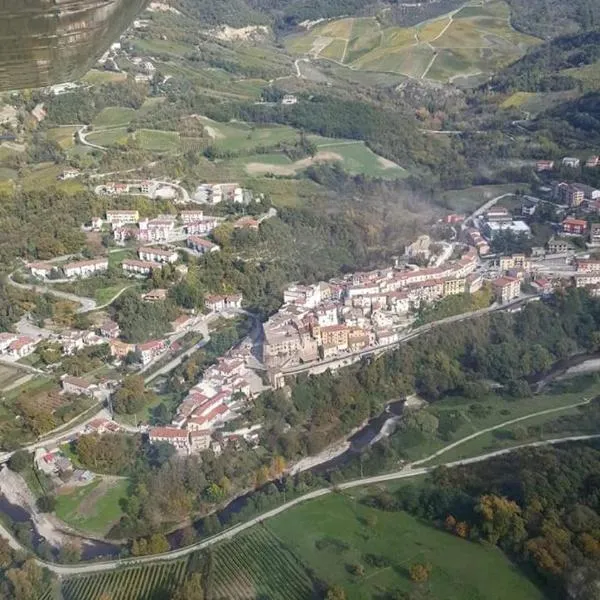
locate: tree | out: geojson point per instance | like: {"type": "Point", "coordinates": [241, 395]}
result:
{"type": "Point", "coordinates": [19, 461]}
{"type": "Point", "coordinates": [190, 589]}
{"type": "Point", "coordinates": [131, 396]}
{"type": "Point", "coordinates": [419, 572]}
{"type": "Point", "coordinates": [46, 504]}
{"type": "Point", "coordinates": [336, 592]}
{"type": "Point", "coordinates": [27, 582]}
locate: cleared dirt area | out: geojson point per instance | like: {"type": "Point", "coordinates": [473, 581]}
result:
{"type": "Point", "coordinates": [387, 164]}
{"type": "Point", "coordinates": [257, 168]}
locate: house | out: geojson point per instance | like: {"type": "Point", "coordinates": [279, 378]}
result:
{"type": "Point", "coordinates": [120, 349]}
{"type": "Point", "coordinates": [498, 213]}
{"type": "Point", "coordinates": [139, 267]}
{"type": "Point", "coordinates": [453, 219]}
{"type": "Point", "coordinates": [41, 270]}
{"type": "Point", "coordinates": [117, 218]}
{"type": "Point", "coordinates": [172, 435]}
{"type": "Point", "coordinates": [6, 339]}
{"type": "Point", "coordinates": [217, 303]}
{"type": "Point", "coordinates": [182, 323]}
{"type": "Point", "coordinates": [289, 99]}
{"type": "Point", "coordinates": [572, 163]}
{"type": "Point", "coordinates": [155, 295]}
{"type": "Point", "coordinates": [101, 426]}
{"type": "Point", "coordinates": [544, 165]}
{"type": "Point", "coordinates": [21, 347]}
{"type": "Point", "coordinates": [110, 329]}
{"type": "Point", "coordinates": [572, 226]}
{"type": "Point", "coordinates": [593, 162]}
{"type": "Point", "coordinates": [85, 268]}
{"type": "Point", "coordinates": [201, 245]}
{"type": "Point", "coordinates": [96, 223]}
{"type": "Point", "coordinates": [158, 255]}
{"type": "Point", "coordinates": [506, 289]}
{"type": "Point", "coordinates": [39, 112]}
{"type": "Point", "coordinates": [150, 350]}
{"type": "Point", "coordinates": [69, 174]}
{"type": "Point", "coordinates": [78, 386]}
{"type": "Point", "coordinates": [246, 223]}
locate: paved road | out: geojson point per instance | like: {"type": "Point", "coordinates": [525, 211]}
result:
{"type": "Point", "coordinates": [82, 134]}
{"type": "Point", "coordinates": [405, 473]}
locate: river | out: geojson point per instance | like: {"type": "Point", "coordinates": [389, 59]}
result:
{"type": "Point", "coordinates": [376, 428]}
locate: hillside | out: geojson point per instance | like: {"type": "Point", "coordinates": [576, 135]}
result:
{"type": "Point", "coordinates": [557, 65]}
{"type": "Point", "coordinates": [552, 18]}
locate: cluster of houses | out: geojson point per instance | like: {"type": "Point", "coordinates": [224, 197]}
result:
{"type": "Point", "coordinates": [79, 269]}
{"type": "Point", "coordinates": [215, 193]}
{"type": "Point", "coordinates": [16, 346]}
{"type": "Point", "coordinates": [360, 310]}
{"type": "Point", "coordinates": [223, 390]}
{"type": "Point", "coordinates": [151, 189]}
{"type": "Point", "coordinates": [569, 162]}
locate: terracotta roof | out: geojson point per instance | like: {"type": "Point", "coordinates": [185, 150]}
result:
{"type": "Point", "coordinates": [168, 432]}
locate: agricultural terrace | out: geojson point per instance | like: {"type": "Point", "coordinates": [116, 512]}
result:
{"type": "Point", "coordinates": [368, 552]}
{"type": "Point", "coordinates": [471, 41]}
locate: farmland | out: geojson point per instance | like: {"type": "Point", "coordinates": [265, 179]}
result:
{"type": "Point", "coordinates": [148, 139]}
{"type": "Point", "coordinates": [335, 532]}
{"type": "Point", "coordinates": [9, 375]}
{"type": "Point", "coordinates": [112, 116]}
{"type": "Point", "coordinates": [472, 41]}
{"type": "Point", "coordinates": [146, 582]}
{"type": "Point", "coordinates": [257, 565]}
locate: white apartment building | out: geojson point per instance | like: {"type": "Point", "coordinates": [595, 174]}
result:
{"type": "Point", "coordinates": [85, 268]}
{"type": "Point", "coordinates": [158, 255]}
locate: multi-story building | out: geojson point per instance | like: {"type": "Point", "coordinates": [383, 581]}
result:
{"type": "Point", "coordinates": [118, 218]}
{"type": "Point", "coordinates": [559, 246]}
{"type": "Point", "coordinates": [506, 289]}
{"type": "Point", "coordinates": [201, 245]}
{"type": "Point", "coordinates": [85, 268]}
{"type": "Point", "coordinates": [172, 435]}
{"type": "Point", "coordinates": [587, 266]}
{"type": "Point", "coordinates": [335, 335]}
{"type": "Point", "coordinates": [21, 347]}
{"type": "Point", "coordinates": [571, 194]}
{"type": "Point", "coordinates": [515, 261]}
{"type": "Point", "coordinates": [201, 227]}
{"type": "Point", "coordinates": [454, 286]}
{"type": "Point", "coordinates": [110, 329]}
{"type": "Point", "coordinates": [191, 216]}
{"type": "Point", "coordinates": [595, 234]}
{"type": "Point", "coordinates": [139, 267]}
{"type": "Point", "coordinates": [158, 255]}
{"type": "Point", "coordinates": [150, 350]}
{"type": "Point", "coordinates": [216, 302]}
{"type": "Point", "coordinates": [571, 226]}
{"type": "Point", "coordinates": [572, 163]}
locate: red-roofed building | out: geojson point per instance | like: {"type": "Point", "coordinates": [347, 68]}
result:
{"type": "Point", "coordinates": [172, 435]}
{"type": "Point", "coordinates": [574, 226]}
{"type": "Point", "coordinates": [22, 346]}
{"type": "Point", "coordinates": [150, 350]}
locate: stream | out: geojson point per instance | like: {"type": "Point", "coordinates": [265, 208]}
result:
{"type": "Point", "coordinates": [375, 429]}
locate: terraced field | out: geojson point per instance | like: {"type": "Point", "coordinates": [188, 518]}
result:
{"type": "Point", "coordinates": [471, 41]}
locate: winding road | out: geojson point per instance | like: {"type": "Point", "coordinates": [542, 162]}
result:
{"type": "Point", "coordinates": [406, 472]}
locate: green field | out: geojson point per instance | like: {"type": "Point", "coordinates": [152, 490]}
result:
{"type": "Point", "coordinates": [9, 375]}
{"type": "Point", "coordinates": [148, 582]}
{"type": "Point", "coordinates": [468, 199]}
{"type": "Point", "coordinates": [63, 136]}
{"type": "Point", "coordinates": [474, 41]}
{"type": "Point", "coordinates": [113, 116]}
{"type": "Point", "coordinates": [257, 565]}
{"type": "Point", "coordinates": [333, 533]}
{"type": "Point", "coordinates": [149, 139]}
{"type": "Point", "coordinates": [96, 77]}
{"type": "Point", "coordinates": [93, 508]}
{"type": "Point", "coordinates": [109, 137]}
{"type": "Point", "coordinates": [462, 417]}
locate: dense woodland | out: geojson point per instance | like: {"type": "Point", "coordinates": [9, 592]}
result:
{"type": "Point", "coordinates": [541, 506]}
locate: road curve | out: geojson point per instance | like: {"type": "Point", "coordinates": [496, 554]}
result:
{"type": "Point", "coordinates": [406, 472]}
